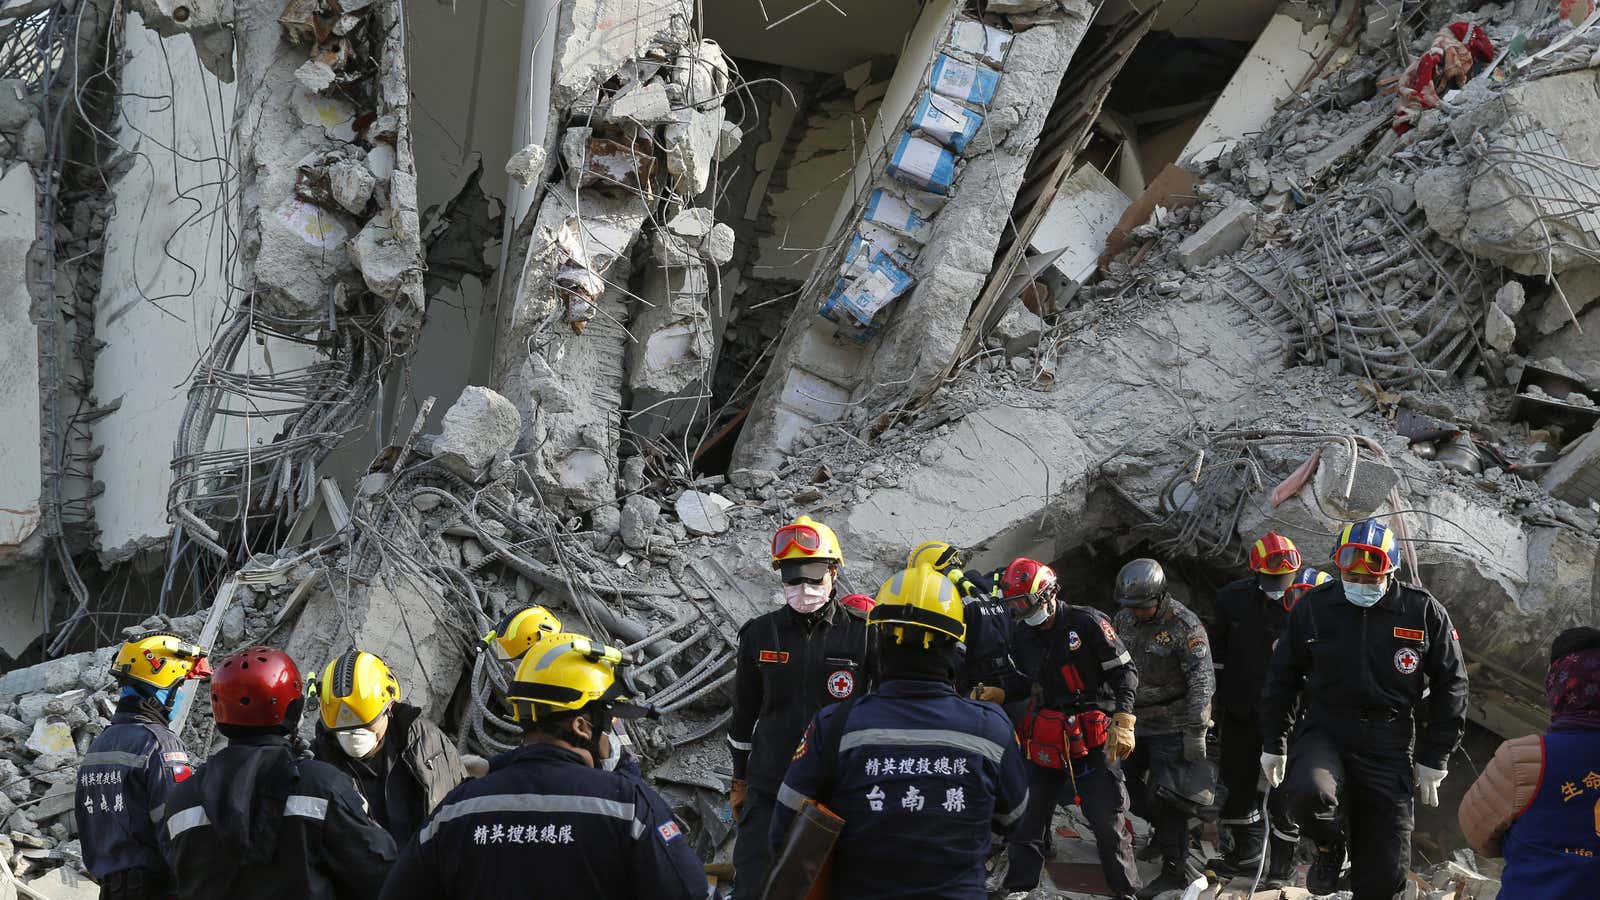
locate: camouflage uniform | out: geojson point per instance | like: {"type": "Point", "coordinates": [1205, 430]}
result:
{"type": "Point", "coordinates": [1173, 706]}
{"type": "Point", "coordinates": [1173, 657]}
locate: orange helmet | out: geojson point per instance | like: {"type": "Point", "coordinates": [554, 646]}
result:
{"type": "Point", "coordinates": [1026, 585]}
{"type": "Point", "coordinates": [1274, 554]}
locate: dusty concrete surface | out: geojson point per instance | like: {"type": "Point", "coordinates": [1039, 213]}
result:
{"type": "Point", "coordinates": [19, 388]}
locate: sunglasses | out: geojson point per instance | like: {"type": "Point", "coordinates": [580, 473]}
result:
{"type": "Point", "coordinates": [803, 536]}
{"type": "Point", "coordinates": [801, 579]}
{"type": "Point", "coordinates": [1362, 559]}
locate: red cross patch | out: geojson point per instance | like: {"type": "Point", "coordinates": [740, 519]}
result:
{"type": "Point", "coordinates": [1406, 660]}
{"type": "Point", "coordinates": [841, 684]}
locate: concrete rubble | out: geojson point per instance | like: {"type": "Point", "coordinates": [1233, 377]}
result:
{"type": "Point", "coordinates": [732, 292]}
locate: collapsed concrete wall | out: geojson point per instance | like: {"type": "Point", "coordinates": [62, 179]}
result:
{"type": "Point", "coordinates": [19, 390]}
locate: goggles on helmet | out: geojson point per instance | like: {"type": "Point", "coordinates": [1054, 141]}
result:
{"type": "Point", "coordinates": [803, 536]}
{"type": "Point", "coordinates": [1281, 562]}
{"type": "Point", "coordinates": [1292, 595]}
{"type": "Point", "coordinates": [1363, 559]}
{"type": "Point", "coordinates": [1023, 605]}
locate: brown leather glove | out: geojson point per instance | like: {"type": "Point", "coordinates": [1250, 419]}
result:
{"type": "Point", "coordinates": [736, 792]}
{"type": "Point", "coordinates": [1119, 737]}
{"type": "Point", "coordinates": [989, 694]}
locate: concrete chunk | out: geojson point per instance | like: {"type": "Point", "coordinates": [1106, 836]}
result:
{"type": "Point", "coordinates": [1018, 330]}
{"type": "Point", "coordinates": [1575, 477]}
{"type": "Point", "coordinates": [639, 516]}
{"type": "Point", "coordinates": [527, 164]}
{"type": "Point", "coordinates": [703, 513]}
{"type": "Point", "coordinates": [479, 426]}
{"type": "Point", "coordinates": [50, 735]}
{"type": "Point", "coordinates": [646, 105]}
{"type": "Point", "coordinates": [1222, 235]}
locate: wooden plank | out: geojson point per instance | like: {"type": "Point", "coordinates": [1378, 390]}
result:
{"type": "Point", "coordinates": [208, 636]}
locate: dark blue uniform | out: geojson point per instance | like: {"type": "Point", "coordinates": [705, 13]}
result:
{"type": "Point", "coordinates": [1078, 664]}
{"type": "Point", "coordinates": [123, 783]}
{"type": "Point", "coordinates": [257, 822]}
{"type": "Point", "coordinates": [921, 777]}
{"type": "Point", "coordinates": [1366, 673]}
{"type": "Point", "coordinates": [988, 655]}
{"type": "Point", "coordinates": [543, 823]}
{"type": "Point", "coordinates": [790, 665]}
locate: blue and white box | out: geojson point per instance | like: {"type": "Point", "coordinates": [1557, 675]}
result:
{"type": "Point", "coordinates": [923, 163]}
{"type": "Point", "coordinates": [963, 81]}
{"type": "Point", "coordinates": [900, 215]}
{"type": "Point", "coordinates": [946, 121]}
{"type": "Point", "coordinates": [883, 282]}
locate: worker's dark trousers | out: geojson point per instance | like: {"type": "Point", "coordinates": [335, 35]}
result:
{"type": "Point", "coordinates": [1150, 755]}
{"type": "Point", "coordinates": [1105, 800]}
{"type": "Point", "coordinates": [1344, 769]}
{"type": "Point", "coordinates": [752, 849]}
{"type": "Point", "coordinates": [1240, 737]}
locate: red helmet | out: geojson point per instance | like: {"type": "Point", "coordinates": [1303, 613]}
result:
{"type": "Point", "coordinates": [1274, 554]}
{"type": "Point", "coordinates": [860, 603]}
{"type": "Point", "coordinates": [1026, 584]}
{"type": "Point", "coordinates": [256, 687]}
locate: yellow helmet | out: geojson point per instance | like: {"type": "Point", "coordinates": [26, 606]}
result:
{"type": "Point", "coordinates": [937, 555]}
{"type": "Point", "coordinates": [923, 598]}
{"type": "Point", "coordinates": [355, 690]}
{"type": "Point", "coordinates": [159, 660]}
{"type": "Point", "coordinates": [805, 539]}
{"type": "Point", "coordinates": [519, 631]}
{"type": "Point", "coordinates": [566, 674]}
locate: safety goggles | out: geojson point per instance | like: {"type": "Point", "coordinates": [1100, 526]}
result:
{"type": "Point", "coordinates": [1024, 605]}
{"type": "Point", "coordinates": [1363, 559]}
{"type": "Point", "coordinates": [1281, 562]}
{"type": "Point", "coordinates": [789, 536]}
{"type": "Point", "coordinates": [801, 579]}
{"type": "Point", "coordinates": [1292, 595]}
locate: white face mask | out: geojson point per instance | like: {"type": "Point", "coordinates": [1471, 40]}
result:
{"type": "Point", "coordinates": [1274, 595]}
{"type": "Point", "coordinates": [1365, 596]}
{"type": "Point", "coordinates": [614, 755]}
{"type": "Point", "coordinates": [805, 598]}
{"type": "Point", "coordinates": [1037, 617]}
{"type": "Point", "coordinates": [357, 743]}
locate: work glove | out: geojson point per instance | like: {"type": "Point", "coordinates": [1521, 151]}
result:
{"type": "Point", "coordinates": [476, 766]}
{"type": "Point", "coordinates": [1194, 745]}
{"type": "Point", "coordinates": [1428, 781]}
{"type": "Point", "coordinates": [736, 792]}
{"type": "Point", "coordinates": [1274, 765]}
{"type": "Point", "coordinates": [1119, 737]}
{"type": "Point", "coordinates": [989, 694]}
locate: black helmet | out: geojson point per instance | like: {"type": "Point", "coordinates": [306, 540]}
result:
{"type": "Point", "coordinates": [1141, 584]}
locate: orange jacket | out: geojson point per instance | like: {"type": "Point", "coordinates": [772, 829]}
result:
{"type": "Point", "coordinates": [1502, 793]}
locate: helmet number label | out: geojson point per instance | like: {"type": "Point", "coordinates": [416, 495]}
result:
{"type": "Point", "coordinates": [1406, 660]}
{"type": "Point", "coordinates": [841, 684]}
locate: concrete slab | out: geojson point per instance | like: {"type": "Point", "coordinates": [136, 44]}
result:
{"type": "Point", "coordinates": [1224, 234]}
{"type": "Point", "coordinates": [1281, 56]}
{"type": "Point", "coordinates": [1078, 222]}
{"type": "Point", "coordinates": [19, 347]}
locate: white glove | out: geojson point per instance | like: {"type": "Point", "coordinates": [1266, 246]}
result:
{"type": "Point", "coordinates": [1428, 781]}
{"type": "Point", "coordinates": [1274, 765]}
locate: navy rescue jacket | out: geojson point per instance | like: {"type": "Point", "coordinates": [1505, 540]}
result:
{"type": "Point", "coordinates": [790, 665]}
{"type": "Point", "coordinates": [922, 776]}
{"type": "Point", "coordinates": [256, 822]}
{"type": "Point", "coordinates": [1248, 624]}
{"type": "Point", "coordinates": [1078, 662]}
{"type": "Point", "coordinates": [544, 823]}
{"type": "Point", "coordinates": [1383, 662]}
{"type": "Point", "coordinates": [123, 784]}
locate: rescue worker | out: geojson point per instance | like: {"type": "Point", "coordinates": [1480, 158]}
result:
{"type": "Point", "coordinates": [510, 639]}
{"type": "Point", "coordinates": [1250, 614]}
{"type": "Point", "coordinates": [547, 821]}
{"type": "Point", "coordinates": [1077, 666]}
{"type": "Point", "coordinates": [1176, 682]}
{"type": "Point", "coordinates": [1367, 652]}
{"type": "Point", "coordinates": [259, 821]}
{"type": "Point", "coordinates": [401, 763]}
{"type": "Point", "coordinates": [131, 768]}
{"type": "Point", "coordinates": [920, 774]}
{"type": "Point", "coordinates": [792, 662]}
{"type": "Point", "coordinates": [986, 665]}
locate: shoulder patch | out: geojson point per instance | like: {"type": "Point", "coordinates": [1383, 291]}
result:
{"type": "Point", "coordinates": [174, 757]}
{"type": "Point", "coordinates": [1454, 635]}
{"type": "Point", "coordinates": [1197, 646]}
{"type": "Point", "coordinates": [774, 656]}
{"type": "Point", "coordinates": [1107, 629]}
{"type": "Point", "coordinates": [669, 832]}
{"type": "Point", "coordinates": [1410, 634]}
